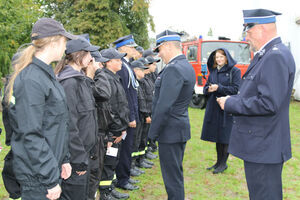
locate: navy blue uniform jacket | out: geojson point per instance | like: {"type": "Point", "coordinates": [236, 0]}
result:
{"type": "Point", "coordinates": [217, 124]}
{"type": "Point", "coordinates": [173, 92]}
{"type": "Point", "coordinates": [131, 93]}
{"type": "Point", "coordinates": [261, 130]}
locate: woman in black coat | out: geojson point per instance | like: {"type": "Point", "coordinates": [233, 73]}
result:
{"type": "Point", "coordinates": [224, 79]}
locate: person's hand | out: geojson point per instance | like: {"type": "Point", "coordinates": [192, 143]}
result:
{"type": "Point", "coordinates": [148, 120]}
{"type": "Point", "coordinates": [66, 171]}
{"type": "Point", "coordinates": [54, 193]}
{"type": "Point", "coordinates": [213, 88]}
{"type": "Point", "coordinates": [91, 68]}
{"type": "Point", "coordinates": [132, 124]}
{"type": "Point", "coordinates": [221, 101]}
{"type": "Point", "coordinates": [80, 173]}
{"type": "Point", "coordinates": [109, 144]}
{"type": "Point", "coordinates": [119, 139]}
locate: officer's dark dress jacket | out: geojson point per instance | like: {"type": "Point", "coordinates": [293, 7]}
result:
{"type": "Point", "coordinates": [131, 93]}
{"type": "Point", "coordinates": [83, 126]}
{"type": "Point", "coordinates": [173, 93]}
{"type": "Point", "coordinates": [118, 103]}
{"type": "Point", "coordinates": [39, 118]}
{"type": "Point", "coordinates": [261, 131]}
{"type": "Point", "coordinates": [217, 124]}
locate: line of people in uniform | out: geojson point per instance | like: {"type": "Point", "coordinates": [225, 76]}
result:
{"type": "Point", "coordinates": [82, 126]}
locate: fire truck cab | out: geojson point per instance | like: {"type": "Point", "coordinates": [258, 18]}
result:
{"type": "Point", "coordinates": [197, 53]}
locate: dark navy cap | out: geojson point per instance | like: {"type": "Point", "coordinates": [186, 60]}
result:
{"type": "Point", "coordinates": [258, 16]}
{"type": "Point", "coordinates": [149, 52]}
{"type": "Point", "coordinates": [46, 27]}
{"type": "Point", "coordinates": [112, 53]}
{"type": "Point", "coordinates": [151, 60]}
{"type": "Point", "coordinates": [166, 36]}
{"type": "Point", "coordinates": [143, 60]}
{"type": "Point", "coordinates": [98, 57]}
{"type": "Point", "coordinates": [140, 49]}
{"type": "Point", "coordinates": [80, 44]}
{"type": "Point", "coordinates": [125, 41]}
{"type": "Point", "coordinates": [138, 64]}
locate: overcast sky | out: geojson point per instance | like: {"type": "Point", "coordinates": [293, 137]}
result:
{"type": "Point", "coordinates": [223, 16]}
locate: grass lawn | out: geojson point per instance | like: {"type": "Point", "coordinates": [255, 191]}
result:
{"type": "Point", "coordinates": [202, 184]}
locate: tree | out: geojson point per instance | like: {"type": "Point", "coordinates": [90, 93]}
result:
{"type": "Point", "coordinates": [104, 20]}
{"type": "Point", "coordinates": [16, 19]}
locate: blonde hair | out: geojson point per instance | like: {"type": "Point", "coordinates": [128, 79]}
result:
{"type": "Point", "coordinates": [25, 58]}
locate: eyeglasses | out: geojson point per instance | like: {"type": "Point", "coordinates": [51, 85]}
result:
{"type": "Point", "coordinates": [248, 26]}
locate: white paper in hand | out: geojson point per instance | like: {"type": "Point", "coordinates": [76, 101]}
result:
{"type": "Point", "coordinates": [112, 151]}
{"type": "Point", "coordinates": [124, 136]}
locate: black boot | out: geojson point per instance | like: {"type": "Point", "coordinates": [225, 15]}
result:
{"type": "Point", "coordinates": [223, 166]}
{"type": "Point", "coordinates": [219, 155]}
{"type": "Point", "coordinates": [105, 194]}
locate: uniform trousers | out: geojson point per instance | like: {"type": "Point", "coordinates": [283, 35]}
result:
{"type": "Point", "coordinates": [171, 157]}
{"type": "Point", "coordinates": [264, 180]}
{"type": "Point", "coordinates": [97, 166]}
{"type": "Point", "coordinates": [124, 165]}
{"type": "Point", "coordinates": [109, 168]}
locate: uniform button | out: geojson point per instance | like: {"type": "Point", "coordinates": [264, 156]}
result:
{"type": "Point", "coordinates": [244, 78]}
{"type": "Point", "coordinates": [234, 122]}
{"type": "Point", "coordinates": [250, 131]}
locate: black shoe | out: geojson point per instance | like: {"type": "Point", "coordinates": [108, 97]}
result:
{"type": "Point", "coordinates": [220, 169]}
{"type": "Point", "coordinates": [106, 196]}
{"type": "Point", "coordinates": [118, 195]}
{"type": "Point", "coordinates": [129, 186]}
{"type": "Point", "coordinates": [150, 155]}
{"type": "Point", "coordinates": [133, 181]}
{"type": "Point", "coordinates": [144, 165]}
{"type": "Point", "coordinates": [213, 167]}
{"type": "Point", "coordinates": [139, 170]}
{"type": "Point", "coordinates": [134, 172]}
{"type": "Point", "coordinates": [148, 162]}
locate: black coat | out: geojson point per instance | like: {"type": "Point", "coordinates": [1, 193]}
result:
{"type": "Point", "coordinates": [38, 117]}
{"type": "Point", "coordinates": [118, 103]}
{"type": "Point", "coordinates": [149, 87]}
{"type": "Point", "coordinates": [83, 127]}
{"type": "Point", "coordinates": [217, 124]}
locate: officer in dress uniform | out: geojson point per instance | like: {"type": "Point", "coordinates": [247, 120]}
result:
{"type": "Point", "coordinates": [261, 133]}
{"type": "Point", "coordinates": [170, 120]}
{"type": "Point", "coordinates": [127, 45]}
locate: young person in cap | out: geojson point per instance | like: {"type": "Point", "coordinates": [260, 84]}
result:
{"type": "Point", "coordinates": [118, 125]}
{"type": "Point", "coordinates": [170, 119]}
{"type": "Point", "coordinates": [102, 93]}
{"type": "Point", "coordinates": [224, 79]}
{"type": "Point", "coordinates": [261, 133]}
{"type": "Point", "coordinates": [140, 70]}
{"type": "Point", "coordinates": [127, 45]}
{"type": "Point", "coordinates": [83, 129]}
{"type": "Point", "coordinates": [140, 51]}
{"type": "Point", "coordinates": [38, 114]}
{"type": "Point", "coordinates": [150, 79]}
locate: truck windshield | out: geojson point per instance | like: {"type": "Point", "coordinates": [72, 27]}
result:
{"type": "Point", "coordinates": [239, 51]}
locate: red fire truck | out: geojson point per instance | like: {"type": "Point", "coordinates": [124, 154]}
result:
{"type": "Point", "coordinates": [197, 52]}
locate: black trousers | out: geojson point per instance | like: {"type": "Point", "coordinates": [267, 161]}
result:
{"type": "Point", "coordinates": [34, 193]}
{"type": "Point", "coordinates": [75, 187]}
{"type": "Point", "coordinates": [171, 157]}
{"type": "Point", "coordinates": [137, 139]}
{"type": "Point", "coordinates": [264, 180]}
{"type": "Point", "coordinates": [124, 165]}
{"type": "Point", "coordinates": [97, 166]}
{"type": "Point", "coordinates": [109, 168]}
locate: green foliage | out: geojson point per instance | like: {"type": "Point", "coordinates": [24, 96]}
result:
{"type": "Point", "coordinates": [104, 20]}
{"type": "Point", "coordinates": [16, 19]}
